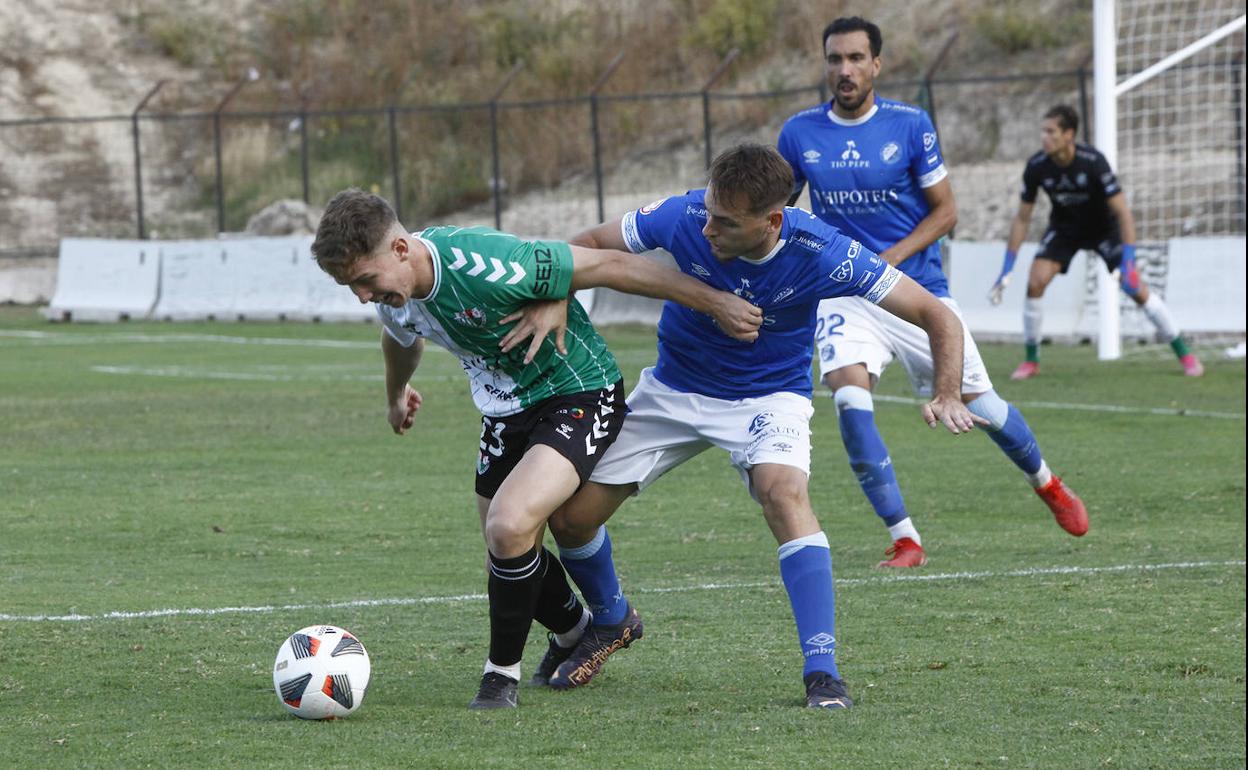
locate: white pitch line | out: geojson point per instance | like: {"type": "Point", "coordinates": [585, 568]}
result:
{"type": "Point", "coordinates": [63, 338]}
{"type": "Point", "coordinates": [407, 602]}
{"type": "Point", "coordinates": [198, 374]}
{"type": "Point", "coordinates": [1113, 408]}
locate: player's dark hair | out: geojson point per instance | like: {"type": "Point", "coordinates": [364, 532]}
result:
{"type": "Point", "coordinates": [353, 226]}
{"type": "Point", "coordinates": [847, 24]}
{"type": "Point", "coordinates": [757, 172]}
{"type": "Point", "coordinates": [1065, 115]}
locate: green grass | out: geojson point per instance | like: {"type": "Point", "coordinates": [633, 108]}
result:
{"type": "Point", "coordinates": [135, 492]}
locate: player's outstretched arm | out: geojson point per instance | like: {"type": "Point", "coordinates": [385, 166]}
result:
{"type": "Point", "coordinates": [1018, 231]}
{"type": "Point", "coordinates": [634, 274]}
{"type": "Point", "coordinates": [537, 320]}
{"type": "Point", "coordinates": [402, 399]}
{"type": "Point", "coordinates": [911, 302]}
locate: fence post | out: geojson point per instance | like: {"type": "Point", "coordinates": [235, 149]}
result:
{"type": "Point", "coordinates": [303, 150]}
{"type": "Point", "coordinates": [1083, 100]}
{"type": "Point", "coordinates": [252, 74]}
{"type": "Point", "coordinates": [593, 129]}
{"type": "Point", "coordinates": [927, 78]}
{"type": "Point", "coordinates": [706, 100]}
{"type": "Point", "coordinates": [138, 156]}
{"type": "Point", "coordinates": [394, 163]}
{"type": "Point", "coordinates": [1239, 134]}
{"type": "Point", "coordinates": [496, 173]}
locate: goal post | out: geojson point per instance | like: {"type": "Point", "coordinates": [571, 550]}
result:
{"type": "Point", "coordinates": [1169, 107]}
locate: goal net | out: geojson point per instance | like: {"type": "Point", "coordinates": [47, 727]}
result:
{"type": "Point", "coordinates": [1179, 98]}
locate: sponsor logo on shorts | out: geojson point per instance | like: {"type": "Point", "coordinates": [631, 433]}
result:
{"type": "Point", "coordinates": [564, 430]}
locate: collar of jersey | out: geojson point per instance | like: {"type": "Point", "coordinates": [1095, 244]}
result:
{"type": "Point", "coordinates": [768, 257]}
{"type": "Point", "coordinates": [437, 268]}
{"type": "Point", "coordinates": [837, 119]}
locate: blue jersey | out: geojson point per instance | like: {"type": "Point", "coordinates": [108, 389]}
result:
{"type": "Point", "coordinates": [811, 261]}
{"type": "Point", "coordinates": [867, 176]}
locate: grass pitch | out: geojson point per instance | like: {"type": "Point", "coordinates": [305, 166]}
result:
{"type": "Point", "coordinates": [243, 478]}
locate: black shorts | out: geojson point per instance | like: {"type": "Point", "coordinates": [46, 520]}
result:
{"type": "Point", "coordinates": [1061, 247]}
{"type": "Point", "coordinates": [579, 426]}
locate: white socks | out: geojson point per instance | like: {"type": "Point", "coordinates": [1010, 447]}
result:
{"type": "Point", "coordinates": [904, 528]}
{"type": "Point", "coordinates": [572, 636]}
{"type": "Point", "coordinates": [1032, 316]}
{"type": "Point", "coordinates": [512, 671]}
{"type": "Point", "coordinates": [1040, 477]}
{"type": "Point", "coordinates": [1159, 314]}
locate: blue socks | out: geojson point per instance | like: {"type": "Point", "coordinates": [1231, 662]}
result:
{"type": "Point", "coordinates": [868, 457]}
{"type": "Point", "coordinates": [593, 571]}
{"type": "Point", "coordinates": [1009, 430]}
{"type": "Point", "coordinates": [806, 568]}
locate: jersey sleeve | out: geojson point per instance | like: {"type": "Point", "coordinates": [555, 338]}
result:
{"type": "Point", "coordinates": [547, 268]}
{"type": "Point", "coordinates": [394, 321]}
{"type": "Point", "coordinates": [1031, 182]}
{"type": "Point", "coordinates": [652, 225]}
{"type": "Point", "coordinates": [789, 147]}
{"type": "Point", "coordinates": [505, 269]}
{"type": "Point", "coordinates": [849, 269]}
{"type": "Point", "coordinates": [926, 162]}
{"type": "Point", "coordinates": [1105, 175]}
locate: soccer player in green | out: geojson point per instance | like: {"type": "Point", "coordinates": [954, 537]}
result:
{"type": "Point", "coordinates": [547, 417]}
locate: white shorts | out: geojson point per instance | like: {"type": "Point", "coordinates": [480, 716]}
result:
{"type": "Point", "coordinates": [666, 427]}
{"type": "Point", "coordinates": [852, 331]}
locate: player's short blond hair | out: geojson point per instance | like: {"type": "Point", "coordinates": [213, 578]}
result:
{"type": "Point", "coordinates": [354, 225]}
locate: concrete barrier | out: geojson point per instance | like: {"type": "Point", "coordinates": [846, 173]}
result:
{"type": "Point", "coordinates": [105, 280]}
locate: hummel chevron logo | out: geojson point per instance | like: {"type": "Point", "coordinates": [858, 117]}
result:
{"type": "Point", "coordinates": [478, 267]}
{"type": "Point", "coordinates": [599, 431]}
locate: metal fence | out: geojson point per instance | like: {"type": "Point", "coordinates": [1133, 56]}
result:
{"type": "Point", "coordinates": [197, 174]}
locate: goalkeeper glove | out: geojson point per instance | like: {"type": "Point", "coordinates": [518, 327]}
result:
{"type": "Point", "coordinates": [1003, 280]}
{"type": "Point", "coordinates": [1128, 275]}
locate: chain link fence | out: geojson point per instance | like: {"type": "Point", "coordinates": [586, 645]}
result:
{"type": "Point", "coordinates": [547, 168]}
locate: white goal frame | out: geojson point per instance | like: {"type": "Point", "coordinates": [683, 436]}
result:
{"type": "Point", "coordinates": [1107, 89]}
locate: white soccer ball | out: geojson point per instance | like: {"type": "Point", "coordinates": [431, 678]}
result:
{"type": "Point", "coordinates": [321, 672]}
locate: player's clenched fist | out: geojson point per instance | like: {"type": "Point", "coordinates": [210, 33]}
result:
{"type": "Point", "coordinates": [737, 317]}
{"type": "Point", "coordinates": [403, 412]}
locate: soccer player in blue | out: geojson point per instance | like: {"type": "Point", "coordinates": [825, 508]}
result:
{"type": "Point", "coordinates": [751, 399]}
{"type": "Point", "coordinates": [876, 173]}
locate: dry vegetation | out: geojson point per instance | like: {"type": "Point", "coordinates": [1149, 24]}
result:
{"type": "Point", "coordinates": [63, 58]}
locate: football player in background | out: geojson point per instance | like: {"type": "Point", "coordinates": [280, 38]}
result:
{"type": "Point", "coordinates": [876, 173]}
{"type": "Point", "coordinates": [1089, 211]}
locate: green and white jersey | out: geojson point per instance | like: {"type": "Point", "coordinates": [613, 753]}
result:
{"type": "Point", "coordinates": [479, 276]}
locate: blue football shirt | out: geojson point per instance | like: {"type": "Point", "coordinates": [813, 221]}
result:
{"type": "Point", "coordinates": [811, 261]}
{"type": "Point", "coordinates": [867, 176]}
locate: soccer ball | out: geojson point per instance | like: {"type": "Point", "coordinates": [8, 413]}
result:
{"type": "Point", "coordinates": [321, 672]}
